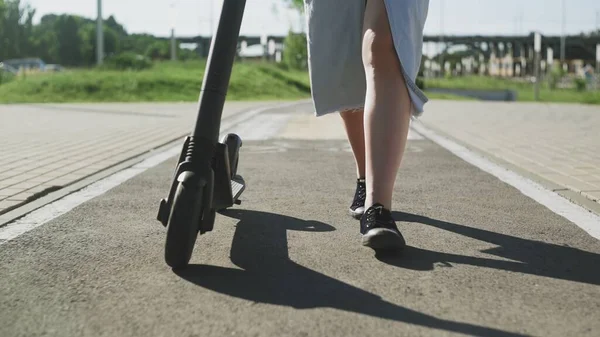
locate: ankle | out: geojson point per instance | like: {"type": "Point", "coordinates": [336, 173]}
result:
{"type": "Point", "coordinates": [370, 202]}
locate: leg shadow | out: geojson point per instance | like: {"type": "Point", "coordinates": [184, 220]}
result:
{"type": "Point", "coordinates": [259, 247]}
{"type": "Point", "coordinates": [535, 257]}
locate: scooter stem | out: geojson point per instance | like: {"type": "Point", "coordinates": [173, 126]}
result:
{"type": "Point", "coordinates": [222, 54]}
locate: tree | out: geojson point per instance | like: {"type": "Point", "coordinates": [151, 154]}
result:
{"type": "Point", "coordinates": [69, 40]}
{"type": "Point", "coordinates": [159, 50]}
{"type": "Point", "coordinates": [116, 27]}
{"type": "Point", "coordinates": [295, 53]}
{"type": "Point", "coordinates": [16, 22]}
{"type": "Point", "coordinates": [44, 42]}
{"type": "Point", "coordinates": [89, 45]}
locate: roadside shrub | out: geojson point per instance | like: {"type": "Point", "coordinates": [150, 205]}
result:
{"type": "Point", "coordinates": [580, 84]}
{"type": "Point", "coordinates": [295, 54]}
{"type": "Point", "coordinates": [128, 61]}
{"type": "Point", "coordinates": [5, 77]}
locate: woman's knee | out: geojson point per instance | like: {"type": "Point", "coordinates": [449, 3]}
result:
{"type": "Point", "coordinates": [378, 45]}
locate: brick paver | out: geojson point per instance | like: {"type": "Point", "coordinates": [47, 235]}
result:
{"type": "Point", "coordinates": [558, 142]}
{"type": "Point", "coordinates": [50, 146]}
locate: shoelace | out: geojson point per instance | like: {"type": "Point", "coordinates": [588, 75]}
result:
{"type": "Point", "coordinates": [361, 194]}
{"type": "Point", "coordinates": [372, 220]}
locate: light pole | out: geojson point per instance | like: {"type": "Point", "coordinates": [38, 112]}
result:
{"type": "Point", "coordinates": [99, 36]}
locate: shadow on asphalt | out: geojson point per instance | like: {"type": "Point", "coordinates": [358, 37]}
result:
{"type": "Point", "coordinates": [535, 257]}
{"type": "Point", "coordinates": [260, 248]}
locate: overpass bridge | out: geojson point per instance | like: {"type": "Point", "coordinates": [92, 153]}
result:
{"type": "Point", "coordinates": [502, 52]}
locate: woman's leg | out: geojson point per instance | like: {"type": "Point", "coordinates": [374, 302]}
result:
{"type": "Point", "coordinates": [387, 107]}
{"type": "Point", "coordinates": [354, 125]}
{"type": "Point", "coordinates": [353, 122]}
{"type": "Point", "coordinates": [386, 121]}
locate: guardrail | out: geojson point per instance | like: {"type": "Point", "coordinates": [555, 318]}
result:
{"type": "Point", "coordinates": [484, 95]}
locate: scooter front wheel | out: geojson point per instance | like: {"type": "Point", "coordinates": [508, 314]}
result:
{"type": "Point", "coordinates": [182, 229]}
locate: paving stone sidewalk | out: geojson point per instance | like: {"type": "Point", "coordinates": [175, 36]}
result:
{"type": "Point", "coordinates": [557, 142]}
{"type": "Point", "coordinates": [48, 146]}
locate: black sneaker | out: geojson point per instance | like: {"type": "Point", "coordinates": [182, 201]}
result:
{"type": "Point", "coordinates": [379, 230]}
{"type": "Point", "coordinates": [358, 204]}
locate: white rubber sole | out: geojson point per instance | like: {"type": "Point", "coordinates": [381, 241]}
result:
{"type": "Point", "coordinates": [357, 214]}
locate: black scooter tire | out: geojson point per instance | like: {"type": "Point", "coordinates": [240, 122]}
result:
{"type": "Point", "coordinates": [182, 229]}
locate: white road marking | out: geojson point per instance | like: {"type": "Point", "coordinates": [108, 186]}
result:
{"type": "Point", "coordinates": [64, 205]}
{"type": "Point", "coordinates": [412, 135]}
{"type": "Point", "coordinates": [578, 215]}
{"type": "Point", "coordinates": [61, 206]}
{"type": "Point", "coordinates": [264, 126]}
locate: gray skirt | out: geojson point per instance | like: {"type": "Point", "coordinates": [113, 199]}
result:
{"type": "Point", "coordinates": [334, 37]}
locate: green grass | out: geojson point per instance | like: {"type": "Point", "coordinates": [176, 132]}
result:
{"type": "Point", "coordinates": [179, 81]}
{"type": "Point", "coordinates": [525, 90]}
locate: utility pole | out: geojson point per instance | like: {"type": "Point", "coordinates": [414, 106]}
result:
{"type": "Point", "coordinates": [562, 37]}
{"type": "Point", "coordinates": [598, 45]}
{"type": "Point", "coordinates": [173, 42]}
{"type": "Point", "coordinates": [173, 45]}
{"type": "Point", "coordinates": [537, 47]}
{"type": "Point", "coordinates": [99, 36]}
{"type": "Point", "coordinates": [442, 69]}
{"type": "Point", "coordinates": [598, 58]}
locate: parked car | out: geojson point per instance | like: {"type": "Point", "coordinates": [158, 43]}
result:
{"type": "Point", "coordinates": [32, 65]}
{"type": "Point", "coordinates": [7, 69]}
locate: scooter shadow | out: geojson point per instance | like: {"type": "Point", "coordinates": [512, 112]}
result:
{"type": "Point", "coordinates": [259, 247]}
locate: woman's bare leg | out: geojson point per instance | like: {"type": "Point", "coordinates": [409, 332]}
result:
{"type": "Point", "coordinates": [387, 106]}
{"type": "Point", "coordinates": [355, 130]}
{"type": "Point", "coordinates": [354, 124]}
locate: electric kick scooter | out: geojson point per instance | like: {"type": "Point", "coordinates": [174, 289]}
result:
{"type": "Point", "coordinates": [205, 178]}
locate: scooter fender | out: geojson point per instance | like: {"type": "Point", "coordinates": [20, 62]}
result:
{"type": "Point", "coordinates": [189, 179]}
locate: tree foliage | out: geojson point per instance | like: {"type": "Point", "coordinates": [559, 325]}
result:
{"type": "Point", "coordinates": [16, 24]}
{"type": "Point", "coordinates": [68, 40]}
{"type": "Point", "coordinates": [298, 3]}
{"type": "Point", "coordinates": [295, 55]}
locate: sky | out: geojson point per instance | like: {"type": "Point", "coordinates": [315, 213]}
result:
{"type": "Point", "coordinates": [193, 17]}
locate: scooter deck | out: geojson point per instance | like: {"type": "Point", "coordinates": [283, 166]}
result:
{"type": "Point", "coordinates": [238, 185]}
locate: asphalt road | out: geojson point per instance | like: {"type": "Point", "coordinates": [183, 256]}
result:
{"type": "Point", "coordinates": [483, 259]}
